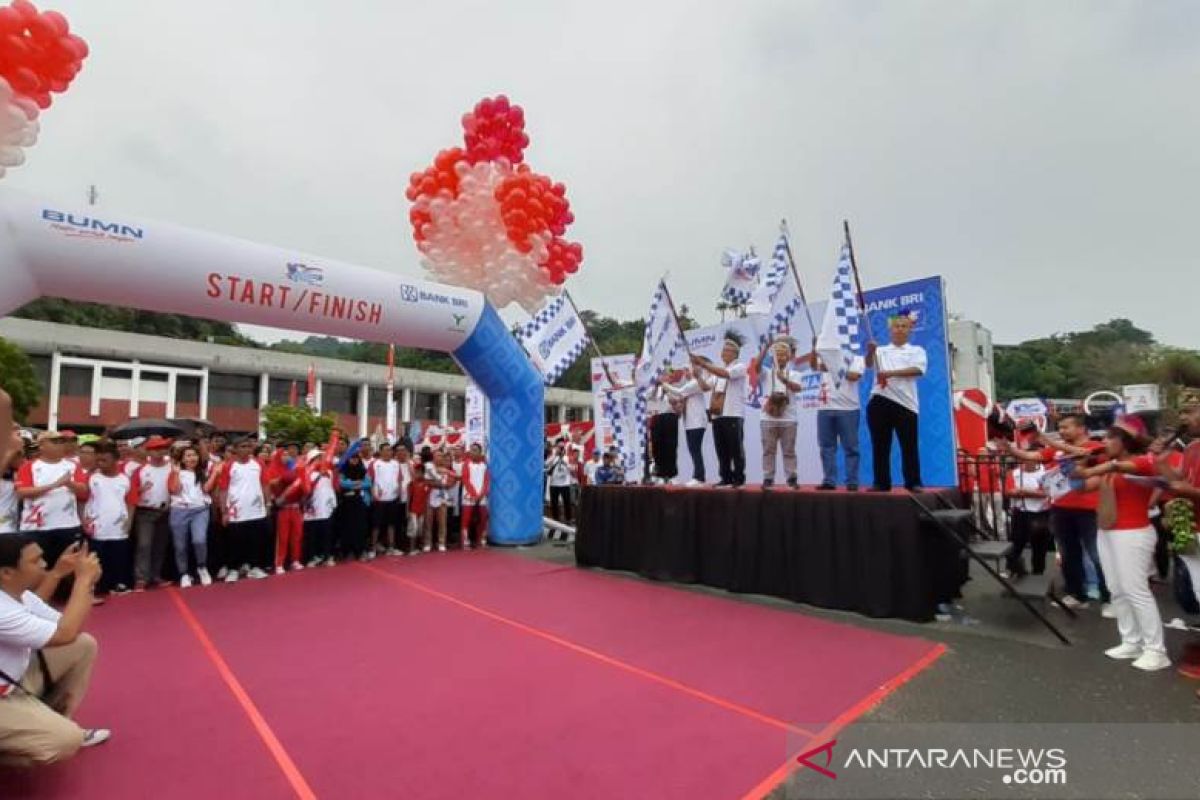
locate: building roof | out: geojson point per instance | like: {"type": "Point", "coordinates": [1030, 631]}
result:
{"type": "Point", "coordinates": [43, 338]}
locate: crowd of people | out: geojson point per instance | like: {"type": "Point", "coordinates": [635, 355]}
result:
{"type": "Point", "coordinates": [1100, 502]}
{"type": "Point", "coordinates": [228, 510]}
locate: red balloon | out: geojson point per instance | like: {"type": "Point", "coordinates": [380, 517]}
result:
{"type": "Point", "coordinates": [26, 9]}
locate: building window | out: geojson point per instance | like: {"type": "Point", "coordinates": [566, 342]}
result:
{"type": "Point", "coordinates": [551, 417]}
{"type": "Point", "coordinates": [457, 408]}
{"type": "Point", "coordinates": [376, 405]}
{"type": "Point", "coordinates": [339, 397]}
{"type": "Point", "coordinates": [187, 389]}
{"type": "Point", "coordinates": [232, 391]}
{"type": "Point", "coordinates": [574, 414]}
{"type": "Point", "coordinates": [426, 406]}
{"type": "Point", "coordinates": [279, 390]}
{"type": "Point", "coordinates": [76, 382]}
{"type": "Point", "coordinates": [41, 368]}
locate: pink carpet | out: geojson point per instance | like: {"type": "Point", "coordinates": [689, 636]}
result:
{"type": "Point", "coordinates": [460, 675]}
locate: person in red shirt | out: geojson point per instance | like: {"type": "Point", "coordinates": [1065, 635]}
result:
{"type": "Point", "coordinates": [51, 488]}
{"type": "Point", "coordinates": [290, 486]}
{"type": "Point", "coordinates": [1184, 476]}
{"type": "Point", "coordinates": [1127, 542]}
{"type": "Point", "coordinates": [1072, 510]}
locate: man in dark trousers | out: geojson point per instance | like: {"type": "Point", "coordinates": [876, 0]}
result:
{"type": "Point", "coordinates": [727, 409]}
{"type": "Point", "coordinates": [894, 406]}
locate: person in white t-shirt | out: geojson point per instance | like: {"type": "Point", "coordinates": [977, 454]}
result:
{"type": "Point", "coordinates": [558, 474]}
{"type": "Point", "coordinates": [387, 509]}
{"type": "Point", "coordinates": [39, 695]}
{"type": "Point", "coordinates": [726, 407]}
{"type": "Point", "coordinates": [191, 487]}
{"type": "Point", "coordinates": [1030, 507]}
{"type": "Point", "coordinates": [838, 418]}
{"type": "Point", "coordinates": [695, 418]}
{"type": "Point", "coordinates": [108, 518]}
{"type": "Point", "coordinates": [245, 497]}
{"type": "Point", "coordinates": [476, 484]}
{"type": "Point", "coordinates": [319, 507]}
{"type": "Point", "coordinates": [778, 382]}
{"type": "Point", "coordinates": [150, 525]}
{"type": "Point", "coordinates": [894, 406]}
{"type": "Point", "coordinates": [50, 488]}
{"type": "Point", "coordinates": [10, 504]}
{"type": "Point", "coordinates": [589, 469]}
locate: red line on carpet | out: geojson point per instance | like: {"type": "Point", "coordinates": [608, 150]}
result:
{"type": "Point", "coordinates": [768, 784]}
{"type": "Point", "coordinates": [286, 765]}
{"type": "Point", "coordinates": [590, 653]}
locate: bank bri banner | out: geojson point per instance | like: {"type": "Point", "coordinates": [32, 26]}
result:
{"type": "Point", "coordinates": [924, 300]}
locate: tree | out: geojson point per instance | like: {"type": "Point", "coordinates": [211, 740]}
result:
{"type": "Point", "coordinates": [18, 379]}
{"type": "Point", "coordinates": [132, 320]}
{"type": "Point", "coordinates": [296, 424]}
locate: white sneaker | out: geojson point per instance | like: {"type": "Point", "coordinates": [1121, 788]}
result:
{"type": "Point", "coordinates": [1124, 651]}
{"type": "Point", "coordinates": [466, 545]}
{"type": "Point", "coordinates": [245, 570]}
{"type": "Point", "coordinates": [257, 574]}
{"type": "Point", "coordinates": [231, 577]}
{"type": "Point", "coordinates": [369, 555]}
{"type": "Point", "coordinates": [1071, 602]}
{"type": "Point", "coordinates": [279, 570]}
{"type": "Point", "coordinates": [205, 578]}
{"type": "Point", "coordinates": [185, 582]}
{"type": "Point", "coordinates": [332, 562]}
{"type": "Point", "coordinates": [441, 548]}
{"type": "Point", "coordinates": [314, 562]}
{"type": "Point", "coordinates": [95, 736]}
{"type": "Point", "coordinates": [1107, 611]}
{"type": "Point", "coordinates": [694, 483]}
{"type": "Point", "coordinates": [297, 566]}
{"type": "Point", "coordinates": [426, 549]}
{"type": "Point", "coordinates": [1151, 661]}
{"type": "Point", "coordinates": [222, 572]}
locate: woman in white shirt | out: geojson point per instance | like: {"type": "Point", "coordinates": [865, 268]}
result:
{"type": "Point", "coordinates": [695, 419]}
{"type": "Point", "coordinates": [558, 473]}
{"type": "Point", "coordinates": [191, 500]}
{"type": "Point", "coordinates": [778, 423]}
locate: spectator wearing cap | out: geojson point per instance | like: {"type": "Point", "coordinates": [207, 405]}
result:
{"type": "Point", "coordinates": [151, 486]}
{"type": "Point", "coordinates": [894, 409]}
{"type": "Point", "coordinates": [1127, 542]}
{"type": "Point", "coordinates": [50, 488]}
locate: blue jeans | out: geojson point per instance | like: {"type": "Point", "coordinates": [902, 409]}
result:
{"type": "Point", "coordinates": [832, 427]}
{"type": "Point", "coordinates": [1075, 533]}
{"type": "Point", "coordinates": [189, 523]}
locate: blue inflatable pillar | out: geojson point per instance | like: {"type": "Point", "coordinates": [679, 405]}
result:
{"type": "Point", "coordinates": [494, 360]}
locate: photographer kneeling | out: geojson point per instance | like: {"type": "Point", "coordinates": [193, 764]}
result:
{"type": "Point", "coordinates": [45, 658]}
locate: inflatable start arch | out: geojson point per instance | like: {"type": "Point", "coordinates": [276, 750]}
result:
{"type": "Point", "coordinates": [49, 250]}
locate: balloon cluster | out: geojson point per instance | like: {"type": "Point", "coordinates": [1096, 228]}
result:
{"type": "Point", "coordinates": [483, 219]}
{"type": "Point", "coordinates": [39, 56]}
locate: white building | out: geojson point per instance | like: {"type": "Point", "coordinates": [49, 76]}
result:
{"type": "Point", "coordinates": [973, 364]}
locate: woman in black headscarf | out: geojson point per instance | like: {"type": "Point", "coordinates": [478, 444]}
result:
{"type": "Point", "coordinates": [354, 495]}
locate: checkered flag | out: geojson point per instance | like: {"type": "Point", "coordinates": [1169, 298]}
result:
{"type": "Point", "coordinates": [554, 338]}
{"type": "Point", "coordinates": [742, 281]}
{"type": "Point", "coordinates": [839, 333]}
{"type": "Point", "coordinates": [662, 341]}
{"type": "Point", "coordinates": [777, 272]}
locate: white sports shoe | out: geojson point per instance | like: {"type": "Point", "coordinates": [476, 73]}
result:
{"type": "Point", "coordinates": [426, 549]}
{"type": "Point", "coordinates": [1151, 661]}
{"type": "Point", "coordinates": [1124, 651]}
{"type": "Point", "coordinates": [222, 572]}
{"type": "Point", "coordinates": [205, 578]}
{"type": "Point", "coordinates": [693, 483]}
{"type": "Point", "coordinates": [332, 562]}
{"type": "Point", "coordinates": [185, 582]}
{"type": "Point", "coordinates": [231, 577]}
{"type": "Point", "coordinates": [257, 574]}
{"type": "Point", "coordinates": [279, 570]}
{"type": "Point", "coordinates": [95, 736]}
{"type": "Point", "coordinates": [1107, 611]}
{"type": "Point", "coordinates": [296, 566]}
{"type": "Point", "coordinates": [441, 548]}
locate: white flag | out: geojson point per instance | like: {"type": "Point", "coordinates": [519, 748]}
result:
{"type": "Point", "coordinates": [554, 338]}
{"type": "Point", "coordinates": [742, 281]}
{"type": "Point", "coordinates": [839, 330]}
{"type": "Point", "coordinates": [777, 272]}
{"type": "Point", "coordinates": [662, 342]}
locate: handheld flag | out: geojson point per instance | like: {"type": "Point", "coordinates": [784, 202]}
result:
{"type": "Point", "coordinates": [662, 341]}
{"type": "Point", "coordinates": [840, 328]}
{"type": "Point", "coordinates": [742, 281]}
{"type": "Point", "coordinates": [554, 338]}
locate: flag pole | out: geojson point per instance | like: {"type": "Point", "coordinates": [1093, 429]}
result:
{"type": "Point", "coordinates": [862, 305]}
{"type": "Point", "coordinates": [787, 248]}
{"type": "Point", "coordinates": [591, 340]}
{"type": "Point", "coordinates": [671, 302]}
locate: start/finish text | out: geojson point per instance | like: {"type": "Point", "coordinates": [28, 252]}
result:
{"type": "Point", "coordinates": [297, 299]}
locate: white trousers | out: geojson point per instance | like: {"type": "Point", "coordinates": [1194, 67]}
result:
{"type": "Point", "coordinates": [1127, 558]}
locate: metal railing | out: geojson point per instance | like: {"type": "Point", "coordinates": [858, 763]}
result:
{"type": "Point", "coordinates": [983, 480]}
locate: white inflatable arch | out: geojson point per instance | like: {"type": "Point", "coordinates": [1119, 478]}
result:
{"type": "Point", "coordinates": [50, 250]}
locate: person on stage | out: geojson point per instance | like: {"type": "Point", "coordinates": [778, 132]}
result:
{"type": "Point", "coordinates": [726, 408]}
{"type": "Point", "coordinates": [894, 405]}
{"type": "Point", "coordinates": [695, 418]}
{"type": "Point", "coordinates": [778, 424]}
{"type": "Point", "coordinates": [837, 421]}
{"type": "Point", "coordinates": [664, 431]}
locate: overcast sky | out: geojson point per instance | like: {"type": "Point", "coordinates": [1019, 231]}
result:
{"type": "Point", "coordinates": [1042, 157]}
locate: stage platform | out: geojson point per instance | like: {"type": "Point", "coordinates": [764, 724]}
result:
{"type": "Point", "coordinates": [867, 552]}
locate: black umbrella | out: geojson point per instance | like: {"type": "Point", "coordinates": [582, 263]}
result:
{"type": "Point", "coordinates": [193, 427]}
{"type": "Point", "coordinates": [146, 427]}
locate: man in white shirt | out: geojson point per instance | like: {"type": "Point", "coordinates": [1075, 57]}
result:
{"type": "Point", "coordinates": [838, 420]}
{"type": "Point", "coordinates": [390, 518]}
{"type": "Point", "coordinates": [150, 528]}
{"type": "Point", "coordinates": [45, 658]}
{"type": "Point", "coordinates": [695, 419]}
{"type": "Point", "coordinates": [778, 382]}
{"type": "Point", "coordinates": [894, 405]}
{"type": "Point", "coordinates": [50, 488]}
{"type": "Point", "coordinates": [589, 469]}
{"type": "Point", "coordinates": [727, 409]}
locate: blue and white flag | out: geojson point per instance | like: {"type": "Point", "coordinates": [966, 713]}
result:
{"type": "Point", "coordinates": [742, 281]}
{"type": "Point", "coordinates": [839, 331]}
{"type": "Point", "coordinates": [777, 272]}
{"type": "Point", "coordinates": [554, 338]}
{"type": "Point", "coordinates": [663, 345]}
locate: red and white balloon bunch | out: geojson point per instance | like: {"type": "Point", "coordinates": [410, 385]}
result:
{"type": "Point", "coordinates": [39, 56]}
{"type": "Point", "coordinates": [483, 219]}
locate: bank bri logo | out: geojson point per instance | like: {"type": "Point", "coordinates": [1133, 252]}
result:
{"type": "Point", "coordinates": [81, 225]}
{"type": "Point", "coordinates": [299, 272]}
{"type": "Point", "coordinates": [409, 293]}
